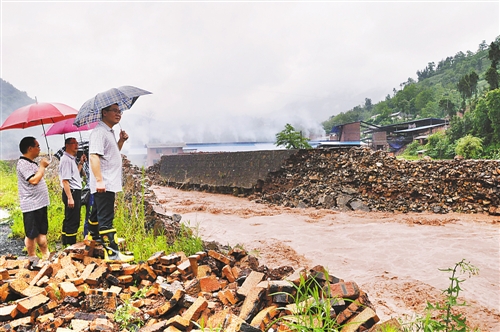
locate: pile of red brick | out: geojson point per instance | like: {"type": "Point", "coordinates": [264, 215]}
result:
{"type": "Point", "coordinates": [171, 292]}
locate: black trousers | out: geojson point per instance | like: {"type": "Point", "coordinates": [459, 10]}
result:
{"type": "Point", "coordinates": [103, 210]}
{"type": "Point", "coordinates": [71, 221]}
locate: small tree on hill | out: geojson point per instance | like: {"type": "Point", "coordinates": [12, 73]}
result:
{"type": "Point", "coordinates": [469, 147]}
{"type": "Point", "coordinates": [291, 139]}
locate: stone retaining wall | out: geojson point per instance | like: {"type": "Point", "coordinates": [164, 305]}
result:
{"type": "Point", "coordinates": [341, 179]}
{"type": "Point", "coordinates": [221, 172]}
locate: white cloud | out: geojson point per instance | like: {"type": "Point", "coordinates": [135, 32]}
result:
{"type": "Point", "coordinates": [238, 70]}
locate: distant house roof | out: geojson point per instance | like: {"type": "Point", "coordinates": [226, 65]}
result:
{"type": "Point", "coordinates": [418, 124]}
{"type": "Point", "coordinates": [409, 130]}
{"type": "Point", "coordinates": [331, 144]}
{"type": "Point", "coordinates": [165, 145]}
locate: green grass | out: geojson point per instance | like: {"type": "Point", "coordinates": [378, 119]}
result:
{"type": "Point", "coordinates": [313, 308]}
{"type": "Point", "coordinates": [129, 219]}
{"type": "Point", "coordinates": [9, 200]}
{"type": "Point", "coordinates": [129, 223]}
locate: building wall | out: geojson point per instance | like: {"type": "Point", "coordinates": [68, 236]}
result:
{"type": "Point", "coordinates": [351, 132]}
{"type": "Point", "coordinates": [379, 139]}
{"type": "Point", "coordinates": [154, 154]}
{"type": "Point", "coordinates": [224, 169]}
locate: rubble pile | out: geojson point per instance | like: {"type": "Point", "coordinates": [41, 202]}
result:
{"type": "Point", "coordinates": [360, 179]}
{"type": "Point", "coordinates": [211, 290]}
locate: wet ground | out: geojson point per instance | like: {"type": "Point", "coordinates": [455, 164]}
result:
{"type": "Point", "coordinates": [394, 257]}
{"type": "Point", "coordinates": [7, 244]}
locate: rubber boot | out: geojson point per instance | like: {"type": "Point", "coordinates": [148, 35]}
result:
{"type": "Point", "coordinates": [93, 235]}
{"type": "Point", "coordinates": [111, 251]}
{"type": "Point", "coordinates": [70, 239]}
{"type": "Point", "coordinates": [94, 231]}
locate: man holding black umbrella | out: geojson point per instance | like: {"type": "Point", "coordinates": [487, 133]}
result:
{"type": "Point", "coordinates": [106, 181]}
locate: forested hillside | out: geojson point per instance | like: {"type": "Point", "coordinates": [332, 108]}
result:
{"type": "Point", "coordinates": [462, 88]}
{"type": "Point", "coordinates": [12, 99]}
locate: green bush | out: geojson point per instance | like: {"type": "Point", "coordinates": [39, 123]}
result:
{"type": "Point", "coordinates": [469, 147]}
{"type": "Point", "coordinates": [412, 148]}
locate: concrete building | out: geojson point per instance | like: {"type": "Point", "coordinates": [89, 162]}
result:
{"type": "Point", "coordinates": [156, 150]}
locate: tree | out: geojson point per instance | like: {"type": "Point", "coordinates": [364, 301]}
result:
{"type": "Point", "coordinates": [469, 147]}
{"type": "Point", "coordinates": [448, 107]}
{"type": "Point", "coordinates": [492, 78]}
{"type": "Point", "coordinates": [491, 74]}
{"type": "Point", "coordinates": [291, 139]}
{"type": "Point", "coordinates": [467, 86]}
{"type": "Point", "coordinates": [483, 45]}
{"type": "Point", "coordinates": [438, 146]}
{"type": "Point", "coordinates": [494, 54]}
{"type": "Point", "coordinates": [368, 104]}
{"type": "Point", "coordinates": [481, 123]}
{"type": "Point", "coordinates": [423, 98]}
{"type": "Point", "coordinates": [493, 105]}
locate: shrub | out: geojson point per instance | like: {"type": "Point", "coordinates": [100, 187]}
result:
{"type": "Point", "coordinates": [469, 146]}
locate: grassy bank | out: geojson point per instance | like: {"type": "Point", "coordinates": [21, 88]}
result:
{"type": "Point", "coordinates": [129, 218]}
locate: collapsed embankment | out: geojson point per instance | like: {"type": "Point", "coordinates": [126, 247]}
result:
{"type": "Point", "coordinates": [354, 179]}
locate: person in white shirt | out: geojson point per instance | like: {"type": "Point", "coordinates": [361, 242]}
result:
{"type": "Point", "coordinates": [71, 183]}
{"type": "Point", "coordinates": [33, 197]}
{"type": "Point", "coordinates": [106, 181]}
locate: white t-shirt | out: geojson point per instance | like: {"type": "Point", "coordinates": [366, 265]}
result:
{"type": "Point", "coordinates": [103, 142]}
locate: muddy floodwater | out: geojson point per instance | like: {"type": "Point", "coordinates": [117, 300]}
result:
{"type": "Point", "coordinates": [395, 258]}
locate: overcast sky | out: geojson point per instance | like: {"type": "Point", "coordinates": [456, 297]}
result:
{"type": "Point", "coordinates": [229, 71]}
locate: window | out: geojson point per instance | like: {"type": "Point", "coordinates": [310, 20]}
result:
{"type": "Point", "coordinates": [158, 150]}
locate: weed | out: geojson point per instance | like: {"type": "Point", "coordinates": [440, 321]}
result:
{"type": "Point", "coordinates": [202, 327]}
{"type": "Point", "coordinates": [312, 309]}
{"type": "Point", "coordinates": [125, 314]}
{"type": "Point", "coordinates": [441, 316]}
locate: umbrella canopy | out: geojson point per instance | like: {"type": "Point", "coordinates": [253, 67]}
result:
{"type": "Point", "coordinates": [67, 126]}
{"type": "Point", "coordinates": [124, 96]}
{"type": "Point", "coordinates": [38, 114]}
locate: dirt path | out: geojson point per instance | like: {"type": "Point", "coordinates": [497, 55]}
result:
{"type": "Point", "coordinates": [393, 257]}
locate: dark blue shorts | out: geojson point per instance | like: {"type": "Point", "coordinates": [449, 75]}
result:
{"type": "Point", "coordinates": [36, 223]}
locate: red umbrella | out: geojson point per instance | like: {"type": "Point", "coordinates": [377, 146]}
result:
{"type": "Point", "coordinates": [67, 126]}
{"type": "Point", "coordinates": [38, 114]}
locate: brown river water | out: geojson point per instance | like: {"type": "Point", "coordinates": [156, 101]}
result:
{"type": "Point", "coordinates": [393, 257]}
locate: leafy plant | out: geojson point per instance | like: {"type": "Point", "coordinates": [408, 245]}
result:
{"type": "Point", "coordinates": [125, 314]}
{"type": "Point", "coordinates": [291, 139]}
{"type": "Point", "coordinates": [411, 149]}
{"type": "Point", "coordinates": [313, 307]}
{"type": "Point", "coordinates": [441, 316]}
{"type": "Point", "coordinates": [129, 223]}
{"type": "Point", "coordinates": [469, 146]}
